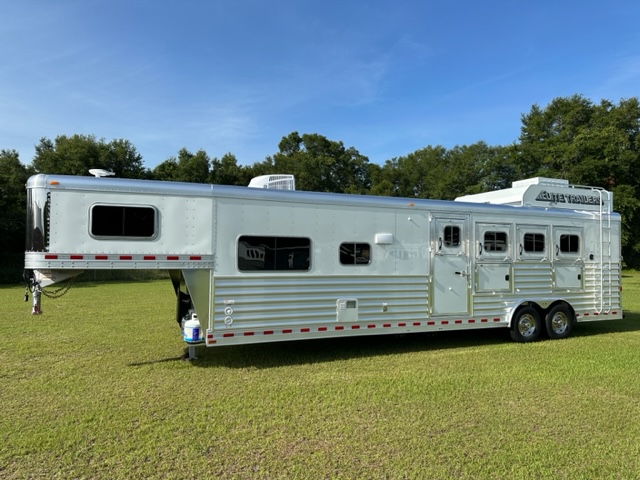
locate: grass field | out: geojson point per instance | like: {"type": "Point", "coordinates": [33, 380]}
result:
{"type": "Point", "coordinates": [96, 388]}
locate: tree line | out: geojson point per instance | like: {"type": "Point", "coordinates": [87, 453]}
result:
{"type": "Point", "coordinates": [573, 138]}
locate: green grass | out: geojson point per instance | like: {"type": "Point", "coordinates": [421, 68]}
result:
{"type": "Point", "coordinates": [96, 388]}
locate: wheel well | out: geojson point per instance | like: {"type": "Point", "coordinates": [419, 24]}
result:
{"type": "Point", "coordinates": [559, 302]}
{"type": "Point", "coordinates": [541, 311]}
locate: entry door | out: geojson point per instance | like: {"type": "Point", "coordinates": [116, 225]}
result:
{"type": "Point", "coordinates": [450, 292]}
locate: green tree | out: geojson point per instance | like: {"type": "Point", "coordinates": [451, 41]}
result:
{"type": "Point", "coordinates": [77, 154]}
{"type": "Point", "coordinates": [187, 167]}
{"type": "Point", "coordinates": [421, 174]}
{"type": "Point", "coordinates": [13, 199]}
{"type": "Point", "coordinates": [320, 164]}
{"type": "Point", "coordinates": [226, 171]}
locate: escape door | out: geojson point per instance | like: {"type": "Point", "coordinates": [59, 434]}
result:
{"type": "Point", "coordinates": [450, 292]}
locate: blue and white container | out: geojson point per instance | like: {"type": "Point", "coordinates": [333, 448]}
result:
{"type": "Point", "coordinates": [192, 332]}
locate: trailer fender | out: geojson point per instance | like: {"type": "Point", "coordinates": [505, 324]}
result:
{"type": "Point", "coordinates": [513, 308]}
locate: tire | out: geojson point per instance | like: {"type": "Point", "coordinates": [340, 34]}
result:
{"type": "Point", "coordinates": [526, 325]}
{"type": "Point", "coordinates": [559, 321]}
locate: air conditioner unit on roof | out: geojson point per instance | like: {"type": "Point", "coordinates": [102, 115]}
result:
{"type": "Point", "coordinates": [277, 182]}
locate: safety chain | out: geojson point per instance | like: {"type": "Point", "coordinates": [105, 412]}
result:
{"type": "Point", "coordinates": [59, 292]}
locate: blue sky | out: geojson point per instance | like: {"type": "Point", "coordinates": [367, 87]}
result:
{"type": "Point", "coordinates": [387, 78]}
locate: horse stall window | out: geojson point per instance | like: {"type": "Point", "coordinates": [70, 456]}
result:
{"type": "Point", "coordinates": [569, 243]}
{"type": "Point", "coordinates": [495, 242]}
{"type": "Point", "coordinates": [534, 242]}
{"type": "Point", "coordinates": [123, 221]}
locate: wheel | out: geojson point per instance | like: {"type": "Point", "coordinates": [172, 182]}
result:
{"type": "Point", "coordinates": [559, 321]}
{"type": "Point", "coordinates": [526, 325]}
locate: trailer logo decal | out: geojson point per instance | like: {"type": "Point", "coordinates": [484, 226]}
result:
{"type": "Point", "coordinates": [554, 197]}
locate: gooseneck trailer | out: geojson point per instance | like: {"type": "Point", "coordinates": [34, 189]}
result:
{"type": "Point", "coordinates": [253, 265]}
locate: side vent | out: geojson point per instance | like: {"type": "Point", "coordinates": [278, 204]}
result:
{"type": "Point", "coordinates": [347, 310]}
{"type": "Point", "coordinates": [274, 182]}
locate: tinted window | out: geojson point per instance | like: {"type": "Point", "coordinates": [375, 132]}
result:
{"type": "Point", "coordinates": [569, 243]}
{"type": "Point", "coordinates": [355, 253]}
{"type": "Point", "coordinates": [451, 236]}
{"type": "Point", "coordinates": [495, 242]}
{"type": "Point", "coordinates": [273, 253]}
{"type": "Point", "coordinates": [123, 221]}
{"type": "Point", "coordinates": [533, 242]}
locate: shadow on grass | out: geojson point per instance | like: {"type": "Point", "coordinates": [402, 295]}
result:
{"type": "Point", "coordinates": [631, 323]}
{"type": "Point", "coordinates": [278, 354]}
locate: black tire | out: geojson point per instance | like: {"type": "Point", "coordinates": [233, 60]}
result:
{"type": "Point", "coordinates": [526, 325]}
{"type": "Point", "coordinates": [559, 321]}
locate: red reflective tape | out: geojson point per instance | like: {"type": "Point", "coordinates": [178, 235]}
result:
{"type": "Point", "coordinates": [102, 257]}
{"type": "Point", "coordinates": [149, 257]}
{"type": "Point", "coordinates": [431, 323]}
{"type": "Point", "coordinates": [355, 327]}
{"type": "Point", "coordinates": [585, 314]}
{"type": "Point", "coordinates": [288, 330]}
{"type": "Point", "coordinates": [339, 327]}
{"type": "Point", "coordinates": [596, 313]}
{"type": "Point", "coordinates": [304, 330]}
{"type": "Point", "coordinates": [402, 324]}
{"type": "Point", "coordinates": [210, 336]}
{"type": "Point", "coordinates": [51, 257]}
{"type": "Point", "coordinates": [471, 320]}
{"type": "Point", "coordinates": [126, 257]}
{"type": "Point", "coordinates": [416, 324]}
{"type": "Point", "coordinates": [371, 326]}
{"type": "Point", "coordinates": [195, 257]}
{"type": "Point", "coordinates": [248, 334]}
{"type": "Point", "coordinates": [322, 329]}
{"type": "Point", "coordinates": [227, 334]}
{"type": "Point", "coordinates": [496, 319]}
{"type": "Point", "coordinates": [484, 320]}
{"type": "Point", "coordinates": [76, 257]}
{"type": "Point", "coordinates": [173, 257]}
{"type": "Point", "coordinates": [268, 332]}
{"type": "Point", "coordinates": [386, 325]}
{"type": "Point", "coordinates": [445, 322]}
{"type": "Point", "coordinates": [458, 321]}
{"type": "Point", "coordinates": [614, 313]}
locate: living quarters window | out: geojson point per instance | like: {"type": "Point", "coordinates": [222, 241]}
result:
{"type": "Point", "coordinates": [569, 243]}
{"type": "Point", "coordinates": [451, 236]}
{"type": "Point", "coordinates": [123, 221]}
{"type": "Point", "coordinates": [264, 253]}
{"type": "Point", "coordinates": [534, 242]}
{"type": "Point", "coordinates": [352, 253]}
{"type": "Point", "coordinates": [495, 242]}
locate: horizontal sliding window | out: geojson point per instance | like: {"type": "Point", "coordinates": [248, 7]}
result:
{"type": "Point", "coordinates": [264, 253]}
{"type": "Point", "coordinates": [123, 221]}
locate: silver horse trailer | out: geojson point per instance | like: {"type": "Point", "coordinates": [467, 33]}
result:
{"type": "Point", "coordinates": [252, 265]}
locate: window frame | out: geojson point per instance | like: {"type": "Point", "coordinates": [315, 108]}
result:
{"type": "Point", "coordinates": [275, 260]}
{"type": "Point", "coordinates": [124, 207]}
{"type": "Point", "coordinates": [354, 252]}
